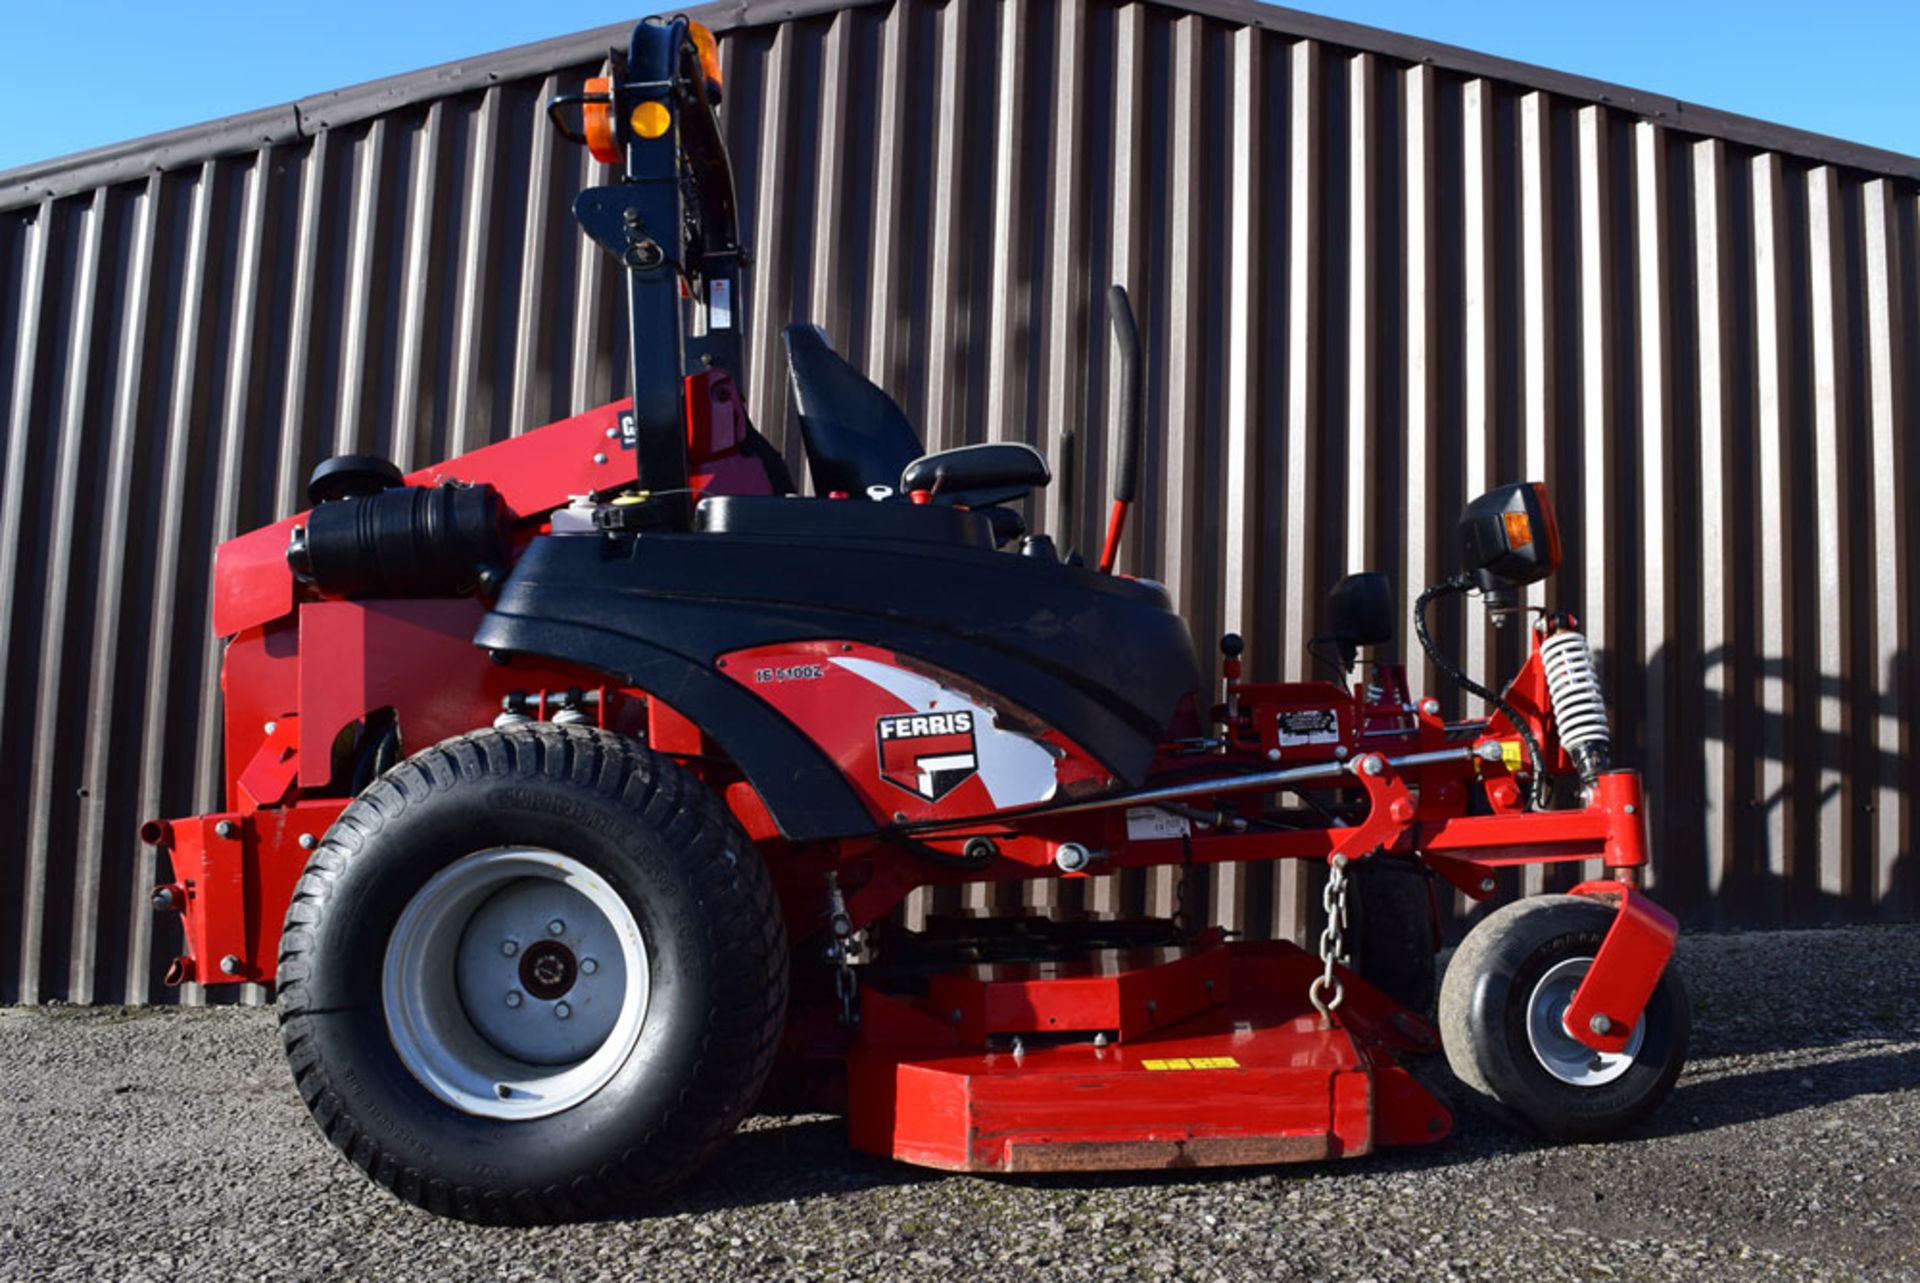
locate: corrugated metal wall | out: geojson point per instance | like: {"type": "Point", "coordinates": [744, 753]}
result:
{"type": "Point", "coordinates": [1375, 277]}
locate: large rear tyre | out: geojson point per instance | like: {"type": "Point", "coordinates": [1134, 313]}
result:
{"type": "Point", "coordinates": [1500, 1009]}
{"type": "Point", "coordinates": [532, 974]}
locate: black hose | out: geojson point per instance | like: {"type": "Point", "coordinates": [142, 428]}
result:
{"type": "Point", "coordinates": [1466, 683]}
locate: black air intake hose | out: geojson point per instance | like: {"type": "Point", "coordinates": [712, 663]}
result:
{"type": "Point", "coordinates": [410, 541]}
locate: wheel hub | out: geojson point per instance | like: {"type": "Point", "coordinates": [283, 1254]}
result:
{"type": "Point", "coordinates": [515, 983]}
{"type": "Point", "coordinates": [548, 969]}
{"type": "Point", "coordinates": [1557, 1050]}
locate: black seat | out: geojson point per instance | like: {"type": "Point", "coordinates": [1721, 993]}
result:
{"type": "Point", "coordinates": [856, 436]}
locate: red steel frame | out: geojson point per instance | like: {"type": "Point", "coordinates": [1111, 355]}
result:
{"type": "Point", "coordinates": [1211, 1055]}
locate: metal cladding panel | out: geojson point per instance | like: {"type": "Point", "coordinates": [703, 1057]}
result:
{"type": "Point", "coordinates": [1374, 277]}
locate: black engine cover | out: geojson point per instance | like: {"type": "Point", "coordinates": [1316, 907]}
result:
{"type": "Point", "coordinates": [1105, 660]}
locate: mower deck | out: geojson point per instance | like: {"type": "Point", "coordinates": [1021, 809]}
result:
{"type": "Point", "coordinates": [1136, 1059]}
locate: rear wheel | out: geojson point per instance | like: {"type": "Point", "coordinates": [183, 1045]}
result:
{"type": "Point", "coordinates": [532, 973]}
{"type": "Point", "coordinates": [1500, 1019]}
{"type": "Point", "coordinates": [1390, 912]}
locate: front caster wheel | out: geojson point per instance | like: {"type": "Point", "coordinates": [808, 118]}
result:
{"type": "Point", "coordinates": [532, 973]}
{"type": "Point", "coordinates": [1500, 1008]}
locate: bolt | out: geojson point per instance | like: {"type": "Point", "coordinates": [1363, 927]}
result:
{"type": "Point", "coordinates": [612, 433]}
{"type": "Point", "coordinates": [588, 966]}
{"type": "Point", "coordinates": [229, 966]}
{"type": "Point", "coordinates": [513, 998]}
{"type": "Point", "coordinates": [1600, 1024]}
{"type": "Point", "coordinates": [1489, 751]}
{"type": "Point", "coordinates": [1486, 886]}
{"type": "Point", "coordinates": [272, 727]}
{"type": "Point", "coordinates": [163, 899]}
{"type": "Point", "coordinates": [1019, 1048]}
{"type": "Point", "coordinates": [1100, 1038]}
{"type": "Point", "coordinates": [1373, 764]}
{"type": "Point", "coordinates": [1273, 755]}
{"type": "Point", "coordinates": [225, 828]}
{"type": "Point", "coordinates": [506, 1092]}
{"type": "Point", "coordinates": [556, 928]}
{"type": "Point", "coordinates": [562, 1010]}
{"type": "Point", "coordinates": [599, 456]}
{"type": "Point", "coordinates": [1431, 707]}
{"type": "Point", "coordinates": [308, 841]}
{"type": "Point", "coordinates": [957, 1017]}
{"type": "Point", "coordinates": [1631, 809]}
{"type": "Point", "coordinates": [509, 947]}
{"type": "Point", "coordinates": [1071, 857]}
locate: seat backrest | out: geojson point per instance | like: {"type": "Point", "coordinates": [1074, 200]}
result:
{"type": "Point", "coordinates": [855, 435]}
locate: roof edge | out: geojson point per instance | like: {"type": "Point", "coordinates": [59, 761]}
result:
{"type": "Point", "coordinates": [177, 148]}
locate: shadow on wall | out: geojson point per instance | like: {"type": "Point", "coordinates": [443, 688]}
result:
{"type": "Point", "coordinates": [1778, 793]}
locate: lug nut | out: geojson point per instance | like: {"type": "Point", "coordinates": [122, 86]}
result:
{"type": "Point", "coordinates": [562, 1010]}
{"type": "Point", "coordinates": [508, 948]}
{"type": "Point", "coordinates": [588, 966]}
{"type": "Point", "coordinates": [513, 998]}
{"type": "Point", "coordinates": [556, 928]}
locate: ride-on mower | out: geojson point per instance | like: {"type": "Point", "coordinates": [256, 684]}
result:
{"type": "Point", "coordinates": [574, 784]}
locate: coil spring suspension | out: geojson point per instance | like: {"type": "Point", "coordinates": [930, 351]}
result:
{"type": "Point", "coordinates": [1579, 705]}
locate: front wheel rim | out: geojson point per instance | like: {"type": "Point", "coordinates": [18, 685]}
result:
{"type": "Point", "coordinates": [515, 983]}
{"type": "Point", "coordinates": [1559, 1052]}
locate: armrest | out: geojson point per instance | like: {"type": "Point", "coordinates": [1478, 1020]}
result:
{"type": "Point", "coordinates": [977, 467]}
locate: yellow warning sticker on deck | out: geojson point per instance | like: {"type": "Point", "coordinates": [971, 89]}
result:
{"type": "Point", "coordinates": [1193, 1062]}
{"type": "Point", "coordinates": [1510, 754]}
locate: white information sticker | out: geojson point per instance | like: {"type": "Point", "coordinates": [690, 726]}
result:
{"type": "Point", "coordinates": [719, 305]}
{"type": "Point", "coordinates": [1145, 823]}
{"type": "Point", "coordinates": [1300, 726]}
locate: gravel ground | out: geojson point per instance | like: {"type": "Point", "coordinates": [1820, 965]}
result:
{"type": "Point", "coordinates": [158, 1143]}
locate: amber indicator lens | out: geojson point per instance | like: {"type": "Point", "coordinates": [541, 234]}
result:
{"type": "Point", "coordinates": [1519, 530]}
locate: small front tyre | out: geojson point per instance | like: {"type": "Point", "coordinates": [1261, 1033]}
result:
{"type": "Point", "coordinates": [532, 974]}
{"type": "Point", "coordinates": [1500, 1008]}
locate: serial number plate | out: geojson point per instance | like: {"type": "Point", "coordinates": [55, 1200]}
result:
{"type": "Point", "coordinates": [796, 673]}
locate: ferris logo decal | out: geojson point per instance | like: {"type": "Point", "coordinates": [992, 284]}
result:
{"type": "Point", "coordinates": [927, 754]}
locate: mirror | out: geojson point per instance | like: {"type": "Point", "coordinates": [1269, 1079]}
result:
{"type": "Point", "coordinates": [1360, 610]}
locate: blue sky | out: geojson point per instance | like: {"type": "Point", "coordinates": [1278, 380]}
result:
{"type": "Point", "coordinates": [82, 73]}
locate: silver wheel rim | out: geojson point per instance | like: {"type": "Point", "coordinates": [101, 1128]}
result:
{"type": "Point", "coordinates": [1559, 1052]}
{"type": "Point", "coordinates": [515, 983]}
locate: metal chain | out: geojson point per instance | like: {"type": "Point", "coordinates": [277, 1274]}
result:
{"type": "Point", "coordinates": [1326, 992]}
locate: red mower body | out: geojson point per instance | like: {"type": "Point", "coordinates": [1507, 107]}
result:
{"type": "Point", "coordinates": [886, 700]}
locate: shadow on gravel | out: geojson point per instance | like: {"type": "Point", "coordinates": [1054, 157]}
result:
{"type": "Point", "coordinates": [773, 1160]}
{"type": "Point", "coordinates": [1730, 1099]}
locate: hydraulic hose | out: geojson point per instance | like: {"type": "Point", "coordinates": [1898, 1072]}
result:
{"type": "Point", "coordinates": [1460, 585]}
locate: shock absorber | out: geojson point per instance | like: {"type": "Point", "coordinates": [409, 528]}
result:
{"type": "Point", "coordinates": [1579, 705]}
